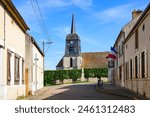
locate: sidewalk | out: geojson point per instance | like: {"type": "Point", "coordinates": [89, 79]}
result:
{"type": "Point", "coordinates": [47, 91]}
{"type": "Point", "coordinates": [120, 91]}
{"type": "Point", "coordinates": [50, 91]}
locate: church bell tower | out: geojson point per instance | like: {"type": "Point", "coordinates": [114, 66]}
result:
{"type": "Point", "coordinates": [73, 46]}
{"type": "Point", "coordinates": [72, 58]}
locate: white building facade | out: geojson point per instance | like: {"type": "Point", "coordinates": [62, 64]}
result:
{"type": "Point", "coordinates": [34, 65]}
{"type": "Point", "coordinates": [132, 68]}
{"type": "Point", "coordinates": [12, 51]}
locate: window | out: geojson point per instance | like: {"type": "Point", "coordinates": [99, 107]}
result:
{"type": "Point", "coordinates": [143, 27]}
{"type": "Point", "coordinates": [136, 67]}
{"type": "Point", "coordinates": [17, 70]}
{"type": "Point", "coordinates": [126, 46]}
{"type": "Point", "coordinates": [122, 49]}
{"type": "Point", "coordinates": [143, 64]}
{"type": "Point", "coordinates": [71, 62]}
{"type": "Point", "coordinates": [127, 72]}
{"type": "Point", "coordinates": [8, 67]}
{"type": "Point", "coordinates": [120, 72]}
{"type": "Point", "coordinates": [131, 68]}
{"type": "Point", "coordinates": [22, 71]}
{"type": "Point", "coordinates": [119, 50]}
{"type": "Point", "coordinates": [136, 39]}
{"type": "Point", "coordinates": [111, 63]}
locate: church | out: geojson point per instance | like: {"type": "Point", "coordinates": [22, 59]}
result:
{"type": "Point", "coordinates": [74, 59]}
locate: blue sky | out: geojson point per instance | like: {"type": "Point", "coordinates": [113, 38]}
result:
{"type": "Point", "coordinates": [98, 23]}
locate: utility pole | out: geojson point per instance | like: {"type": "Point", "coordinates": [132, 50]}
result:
{"type": "Point", "coordinates": [48, 42]}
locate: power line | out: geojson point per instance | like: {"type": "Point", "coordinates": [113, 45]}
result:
{"type": "Point", "coordinates": [41, 22]}
{"type": "Point", "coordinates": [39, 16]}
{"type": "Point", "coordinates": [42, 18]}
{"type": "Point", "coordinates": [34, 9]}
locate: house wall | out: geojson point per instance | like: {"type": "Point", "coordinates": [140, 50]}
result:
{"type": "Point", "coordinates": [15, 42]}
{"type": "Point", "coordinates": [120, 49]}
{"type": "Point", "coordinates": [140, 85]}
{"type": "Point", "coordinates": [29, 64]}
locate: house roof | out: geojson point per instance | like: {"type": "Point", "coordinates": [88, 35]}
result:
{"type": "Point", "coordinates": [141, 18]}
{"type": "Point", "coordinates": [37, 46]}
{"type": "Point", "coordinates": [34, 43]}
{"type": "Point", "coordinates": [94, 59]}
{"type": "Point", "coordinates": [9, 6]}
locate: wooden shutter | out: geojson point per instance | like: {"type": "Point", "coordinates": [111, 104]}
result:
{"type": "Point", "coordinates": [146, 63]}
{"type": "Point", "coordinates": [133, 68]}
{"type": "Point", "coordinates": [8, 67]}
{"type": "Point", "coordinates": [140, 66]}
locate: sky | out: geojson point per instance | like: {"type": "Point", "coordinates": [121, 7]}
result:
{"type": "Point", "coordinates": [97, 22]}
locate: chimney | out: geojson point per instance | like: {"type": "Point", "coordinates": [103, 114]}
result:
{"type": "Point", "coordinates": [136, 13]}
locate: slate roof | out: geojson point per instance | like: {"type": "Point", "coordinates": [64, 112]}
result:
{"type": "Point", "coordinates": [60, 64]}
{"type": "Point", "coordinates": [72, 36]}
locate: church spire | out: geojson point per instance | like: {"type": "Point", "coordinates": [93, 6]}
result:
{"type": "Point", "coordinates": [73, 29]}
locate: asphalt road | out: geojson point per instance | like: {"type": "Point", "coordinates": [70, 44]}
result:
{"type": "Point", "coordinates": [82, 92]}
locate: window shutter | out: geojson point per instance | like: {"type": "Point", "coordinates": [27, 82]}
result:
{"type": "Point", "coordinates": [138, 64]}
{"type": "Point", "coordinates": [133, 68]}
{"type": "Point", "coordinates": [140, 75]}
{"type": "Point", "coordinates": [8, 65]}
{"type": "Point", "coordinates": [146, 63]}
{"type": "Point", "coordinates": [129, 70]}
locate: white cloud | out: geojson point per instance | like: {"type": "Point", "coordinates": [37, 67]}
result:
{"type": "Point", "coordinates": [56, 3]}
{"type": "Point", "coordinates": [61, 31]}
{"type": "Point", "coordinates": [115, 14]}
{"type": "Point", "coordinates": [82, 4]}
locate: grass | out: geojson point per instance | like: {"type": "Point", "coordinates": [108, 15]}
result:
{"type": "Point", "coordinates": [76, 82]}
{"type": "Point", "coordinates": [21, 97]}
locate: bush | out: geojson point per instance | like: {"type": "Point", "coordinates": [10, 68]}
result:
{"type": "Point", "coordinates": [50, 77]}
{"type": "Point", "coordinates": [96, 72]}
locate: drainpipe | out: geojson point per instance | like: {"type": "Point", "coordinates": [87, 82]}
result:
{"type": "Point", "coordinates": [124, 80]}
{"type": "Point", "coordinates": [4, 26]}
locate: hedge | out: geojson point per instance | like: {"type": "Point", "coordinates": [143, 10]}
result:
{"type": "Point", "coordinates": [51, 76]}
{"type": "Point", "coordinates": [96, 72]}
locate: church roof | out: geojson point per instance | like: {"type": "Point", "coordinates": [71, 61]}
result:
{"type": "Point", "coordinates": [94, 60]}
{"type": "Point", "coordinates": [60, 64]}
{"type": "Point", "coordinates": [73, 34]}
{"type": "Point", "coordinates": [91, 60]}
{"type": "Point", "coordinates": [73, 29]}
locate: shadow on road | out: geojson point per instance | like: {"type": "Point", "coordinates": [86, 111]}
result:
{"type": "Point", "coordinates": [82, 92]}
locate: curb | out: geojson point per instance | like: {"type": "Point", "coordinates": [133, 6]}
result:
{"type": "Point", "coordinates": [110, 93]}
